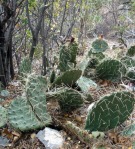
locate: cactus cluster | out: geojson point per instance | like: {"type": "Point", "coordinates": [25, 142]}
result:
{"type": "Point", "coordinates": [30, 112]}
{"type": "Point", "coordinates": [110, 69]}
{"type": "Point", "coordinates": [110, 111]}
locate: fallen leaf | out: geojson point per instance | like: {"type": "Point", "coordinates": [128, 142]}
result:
{"type": "Point", "coordinates": [16, 134]}
{"type": "Point", "coordinates": [113, 136]}
{"type": "Point", "coordinates": [105, 83]}
{"type": "Point", "coordinates": [7, 133]}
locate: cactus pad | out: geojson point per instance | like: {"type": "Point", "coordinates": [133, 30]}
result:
{"type": "Point", "coordinates": [131, 51]}
{"type": "Point", "coordinates": [111, 70]}
{"type": "Point", "coordinates": [87, 66]}
{"type": "Point", "coordinates": [83, 135]}
{"type": "Point", "coordinates": [25, 66]}
{"type": "Point", "coordinates": [99, 55]}
{"type": "Point", "coordinates": [22, 117]}
{"type": "Point", "coordinates": [86, 84]}
{"type": "Point", "coordinates": [3, 116]}
{"type": "Point", "coordinates": [131, 73]}
{"type": "Point", "coordinates": [128, 61]}
{"type": "Point", "coordinates": [64, 59]}
{"type": "Point", "coordinates": [69, 100]}
{"type": "Point", "coordinates": [30, 112]}
{"type": "Point", "coordinates": [73, 49]}
{"type": "Point", "coordinates": [110, 111]}
{"type": "Point", "coordinates": [68, 78]}
{"type": "Point", "coordinates": [99, 45]}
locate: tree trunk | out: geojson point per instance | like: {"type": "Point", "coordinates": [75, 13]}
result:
{"type": "Point", "coordinates": [6, 29]}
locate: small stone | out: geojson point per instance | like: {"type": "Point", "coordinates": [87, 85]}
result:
{"type": "Point", "coordinates": [69, 138]}
{"type": "Point", "coordinates": [33, 136]}
{"type": "Point", "coordinates": [78, 118]}
{"type": "Point", "coordinates": [52, 139]}
{"type": "Point", "coordinates": [15, 139]}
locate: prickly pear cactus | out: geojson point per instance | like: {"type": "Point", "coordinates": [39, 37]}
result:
{"type": "Point", "coordinates": [131, 73]}
{"type": "Point", "coordinates": [64, 59]}
{"type": "Point", "coordinates": [30, 112]}
{"type": "Point", "coordinates": [99, 55]}
{"type": "Point", "coordinates": [99, 45]}
{"type": "Point", "coordinates": [73, 48]}
{"type": "Point", "coordinates": [69, 100]}
{"type": "Point", "coordinates": [35, 90]}
{"type": "Point", "coordinates": [88, 66]}
{"type": "Point", "coordinates": [86, 84]}
{"type": "Point", "coordinates": [131, 51]}
{"type": "Point", "coordinates": [83, 135]}
{"type": "Point", "coordinates": [25, 66]}
{"type": "Point", "coordinates": [22, 116]}
{"type": "Point", "coordinates": [3, 116]}
{"type": "Point", "coordinates": [68, 78]}
{"type": "Point", "coordinates": [128, 61]}
{"type": "Point", "coordinates": [111, 70]}
{"type": "Point", "coordinates": [110, 111]}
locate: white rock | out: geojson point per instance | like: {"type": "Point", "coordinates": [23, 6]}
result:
{"type": "Point", "coordinates": [52, 139]}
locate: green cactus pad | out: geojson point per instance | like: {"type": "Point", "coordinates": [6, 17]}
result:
{"type": "Point", "coordinates": [110, 111]}
{"type": "Point", "coordinates": [86, 84]}
{"type": "Point", "coordinates": [69, 100]}
{"type": "Point", "coordinates": [131, 51]}
{"type": "Point", "coordinates": [30, 113]}
{"type": "Point", "coordinates": [83, 135]}
{"type": "Point", "coordinates": [3, 116]}
{"type": "Point", "coordinates": [64, 59]}
{"type": "Point", "coordinates": [35, 90]}
{"type": "Point", "coordinates": [22, 116]}
{"type": "Point", "coordinates": [73, 48]}
{"type": "Point", "coordinates": [99, 45]}
{"type": "Point", "coordinates": [25, 66]}
{"type": "Point", "coordinates": [87, 66]}
{"type": "Point", "coordinates": [111, 70]}
{"type": "Point", "coordinates": [99, 55]}
{"type": "Point", "coordinates": [131, 74]}
{"type": "Point", "coordinates": [128, 61]}
{"type": "Point", "coordinates": [68, 78]}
